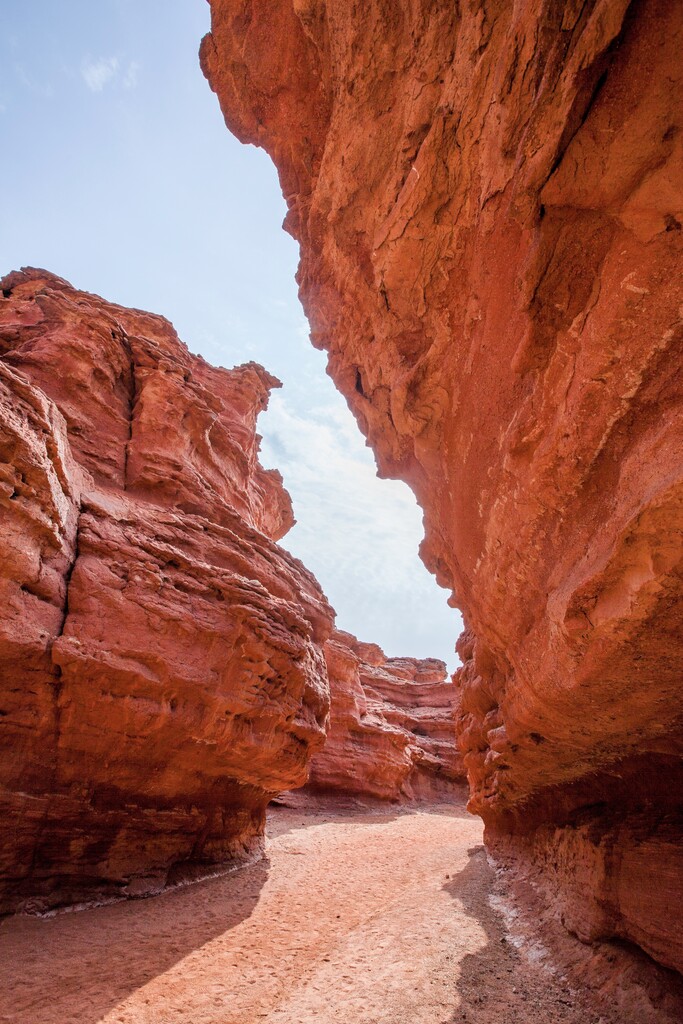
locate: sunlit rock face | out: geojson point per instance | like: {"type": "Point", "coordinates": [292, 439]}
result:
{"type": "Point", "coordinates": [161, 658]}
{"type": "Point", "coordinates": [488, 201]}
{"type": "Point", "coordinates": [391, 726]}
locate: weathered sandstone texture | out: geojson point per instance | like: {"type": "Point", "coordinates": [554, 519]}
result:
{"type": "Point", "coordinates": [391, 733]}
{"type": "Point", "coordinates": [488, 201]}
{"type": "Point", "coordinates": [161, 658]}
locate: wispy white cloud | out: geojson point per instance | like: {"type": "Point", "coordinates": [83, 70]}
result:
{"type": "Point", "coordinates": [130, 78]}
{"type": "Point", "coordinates": [98, 73]}
{"type": "Point", "coordinates": [358, 534]}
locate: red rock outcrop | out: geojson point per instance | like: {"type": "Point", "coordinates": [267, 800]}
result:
{"type": "Point", "coordinates": [161, 658]}
{"type": "Point", "coordinates": [391, 733]}
{"type": "Point", "coordinates": [488, 201]}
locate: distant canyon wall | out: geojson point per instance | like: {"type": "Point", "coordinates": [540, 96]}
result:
{"type": "Point", "coordinates": [391, 733]}
{"type": "Point", "coordinates": [488, 203]}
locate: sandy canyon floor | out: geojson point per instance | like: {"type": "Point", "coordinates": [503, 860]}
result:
{"type": "Point", "coordinates": [355, 917]}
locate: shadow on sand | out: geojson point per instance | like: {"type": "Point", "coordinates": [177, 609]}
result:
{"type": "Point", "coordinates": [104, 954]}
{"type": "Point", "coordinates": [497, 983]}
{"type": "Point", "coordinates": [487, 977]}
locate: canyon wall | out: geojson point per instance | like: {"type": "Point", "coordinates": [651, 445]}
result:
{"type": "Point", "coordinates": [391, 732]}
{"type": "Point", "coordinates": [161, 658]}
{"type": "Point", "coordinates": [488, 202]}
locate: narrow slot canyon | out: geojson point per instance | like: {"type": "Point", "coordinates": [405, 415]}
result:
{"type": "Point", "coordinates": [219, 804]}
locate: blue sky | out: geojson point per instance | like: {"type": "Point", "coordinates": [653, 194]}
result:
{"type": "Point", "coordinates": [119, 175]}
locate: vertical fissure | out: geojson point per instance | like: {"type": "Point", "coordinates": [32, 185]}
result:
{"type": "Point", "coordinates": [131, 401]}
{"type": "Point", "coordinates": [57, 669]}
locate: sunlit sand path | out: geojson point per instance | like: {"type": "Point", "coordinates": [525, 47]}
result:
{"type": "Point", "coordinates": [354, 917]}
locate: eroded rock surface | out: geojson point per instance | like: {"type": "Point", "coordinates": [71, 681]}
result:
{"type": "Point", "coordinates": [488, 201]}
{"type": "Point", "coordinates": [161, 658]}
{"type": "Point", "coordinates": [391, 733]}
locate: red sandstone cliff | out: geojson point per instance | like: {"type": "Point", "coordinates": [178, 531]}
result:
{"type": "Point", "coordinates": [161, 658]}
{"type": "Point", "coordinates": [488, 201]}
{"type": "Point", "coordinates": [391, 733]}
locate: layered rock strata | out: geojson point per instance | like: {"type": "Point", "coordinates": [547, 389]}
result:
{"type": "Point", "coordinates": [488, 202]}
{"type": "Point", "coordinates": [161, 658]}
{"type": "Point", "coordinates": [391, 733]}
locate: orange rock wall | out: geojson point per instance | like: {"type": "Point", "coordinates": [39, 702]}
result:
{"type": "Point", "coordinates": [488, 202]}
{"type": "Point", "coordinates": [161, 658]}
{"type": "Point", "coordinates": [391, 733]}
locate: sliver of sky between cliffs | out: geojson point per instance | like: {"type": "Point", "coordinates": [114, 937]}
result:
{"type": "Point", "coordinates": [118, 174]}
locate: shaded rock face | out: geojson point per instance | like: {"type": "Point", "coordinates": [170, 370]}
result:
{"type": "Point", "coordinates": [391, 733]}
{"type": "Point", "coordinates": [488, 200]}
{"type": "Point", "coordinates": [161, 658]}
